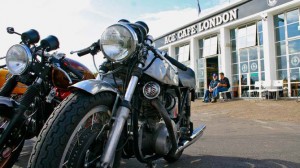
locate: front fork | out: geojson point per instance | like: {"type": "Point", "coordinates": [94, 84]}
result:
{"type": "Point", "coordinates": [25, 101]}
{"type": "Point", "coordinates": [117, 128]}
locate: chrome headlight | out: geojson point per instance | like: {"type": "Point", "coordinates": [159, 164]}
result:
{"type": "Point", "coordinates": [118, 42]}
{"type": "Point", "coordinates": [18, 59]}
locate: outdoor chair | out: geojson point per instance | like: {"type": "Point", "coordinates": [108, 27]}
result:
{"type": "Point", "coordinates": [297, 94]}
{"type": "Point", "coordinates": [277, 86]}
{"type": "Point", "coordinates": [255, 91]}
{"type": "Point", "coordinates": [225, 95]}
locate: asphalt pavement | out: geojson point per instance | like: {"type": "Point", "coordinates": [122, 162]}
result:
{"type": "Point", "coordinates": [229, 142]}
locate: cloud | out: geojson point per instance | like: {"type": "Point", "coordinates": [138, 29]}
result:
{"type": "Point", "coordinates": [78, 23]}
{"type": "Point", "coordinates": [165, 21]}
{"type": "Point", "coordinates": [56, 17]}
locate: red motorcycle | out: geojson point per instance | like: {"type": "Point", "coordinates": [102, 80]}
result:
{"type": "Point", "coordinates": [47, 77]}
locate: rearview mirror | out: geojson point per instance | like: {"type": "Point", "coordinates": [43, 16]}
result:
{"type": "Point", "coordinates": [10, 30]}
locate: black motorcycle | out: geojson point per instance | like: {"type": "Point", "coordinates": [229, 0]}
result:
{"type": "Point", "coordinates": [138, 106]}
{"type": "Point", "coordinates": [47, 77]}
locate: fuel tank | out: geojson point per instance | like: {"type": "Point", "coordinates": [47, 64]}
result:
{"type": "Point", "coordinates": [160, 70]}
{"type": "Point", "coordinates": [4, 75]}
{"type": "Point", "coordinates": [60, 80]}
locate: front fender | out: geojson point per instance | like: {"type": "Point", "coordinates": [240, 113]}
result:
{"type": "Point", "coordinates": [94, 86]}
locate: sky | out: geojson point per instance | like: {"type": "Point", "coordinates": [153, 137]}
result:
{"type": "Point", "coordinates": [79, 23]}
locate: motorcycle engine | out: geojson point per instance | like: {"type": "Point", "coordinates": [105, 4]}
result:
{"type": "Point", "coordinates": [155, 140]}
{"type": "Point", "coordinates": [153, 133]}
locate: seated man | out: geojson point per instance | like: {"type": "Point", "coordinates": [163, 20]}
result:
{"type": "Point", "coordinates": [212, 86]}
{"type": "Point", "coordinates": [222, 86]}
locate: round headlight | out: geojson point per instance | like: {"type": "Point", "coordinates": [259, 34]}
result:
{"type": "Point", "coordinates": [118, 42]}
{"type": "Point", "coordinates": [18, 59]}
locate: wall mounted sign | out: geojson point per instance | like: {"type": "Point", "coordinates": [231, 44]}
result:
{"type": "Point", "coordinates": [242, 9]}
{"type": "Point", "coordinates": [295, 61]}
{"type": "Point", "coordinates": [244, 68]}
{"type": "Point", "coordinates": [254, 67]}
{"type": "Point", "coordinates": [204, 25]}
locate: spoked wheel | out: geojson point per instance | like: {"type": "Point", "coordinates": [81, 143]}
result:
{"type": "Point", "coordinates": [76, 133]}
{"type": "Point", "coordinates": [12, 147]}
{"type": "Point", "coordinates": [87, 142]}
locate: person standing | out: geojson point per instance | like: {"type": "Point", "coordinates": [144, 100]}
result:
{"type": "Point", "coordinates": [222, 86]}
{"type": "Point", "coordinates": [212, 86]}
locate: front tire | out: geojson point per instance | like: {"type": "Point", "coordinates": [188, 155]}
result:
{"type": "Point", "coordinates": [75, 134]}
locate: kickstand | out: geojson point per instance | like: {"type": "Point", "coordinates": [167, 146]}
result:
{"type": "Point", "coordinates": [151, 165]}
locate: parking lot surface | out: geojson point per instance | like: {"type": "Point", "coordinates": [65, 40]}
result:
{"type": "Point", "coordinates": [239, 133]}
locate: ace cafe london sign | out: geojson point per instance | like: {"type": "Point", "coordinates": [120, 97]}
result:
{"type": "Point", "coordinates": [202, 26]}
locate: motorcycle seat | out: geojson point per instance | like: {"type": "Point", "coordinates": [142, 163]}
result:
{"type": "Point", "coordinates": [187, 78]}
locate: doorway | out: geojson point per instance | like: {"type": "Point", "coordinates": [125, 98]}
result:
{"type": "Point", "coordinates": [212, 66]}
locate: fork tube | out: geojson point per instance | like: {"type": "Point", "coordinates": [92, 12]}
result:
{"type": "Point", "coordinates": [117, 128]}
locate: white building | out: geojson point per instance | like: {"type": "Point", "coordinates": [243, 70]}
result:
{"type": "Point", "coordinates": [248, 40]}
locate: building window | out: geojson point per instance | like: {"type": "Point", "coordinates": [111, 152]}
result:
{"type": "Point", "coordinates": [287, 42]}
{"type": "Point", "coordinates": [183, 53]}
{"type": "Point", "coordinates": [200, 70]}
{"type": "Point", "coordinates": [210, 46]}
{"type": "Point", "coordinates": [246, 36]}
{"type": "Point", "coordinates": [247, 57]}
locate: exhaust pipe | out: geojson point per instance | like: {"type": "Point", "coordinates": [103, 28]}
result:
{"type": "Point", "coordinates": [197, 133]}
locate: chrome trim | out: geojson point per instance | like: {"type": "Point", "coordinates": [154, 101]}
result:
{"type": "Point", "coordinates": [28, 60]}
{"type": "Point", "coordinates": [114, 136]}
{"type": "Point", "coordinates": [39, 80]}
{"type": "Point", "coordinates": [131, 88]}
{"type": "Point", "coordinates": [197, 133]}
{"type": "Point", "coordinates": [164, 58]}
{"type": "Point", "coordinates": [161, 70]}
{"type": "Point", "coordinates": [94, 86]}
{"type": "Point", "coordinates": [134, 43]}
{"type": "Point", "coordinates": [117, 128]}
{"type": "Point", "coordinates": [152, 85]}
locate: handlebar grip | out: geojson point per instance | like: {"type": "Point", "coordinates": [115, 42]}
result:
{"type": "Point", "coordinates": [84, 51]}
{"type": "Point", "coordinates": [176, 63]}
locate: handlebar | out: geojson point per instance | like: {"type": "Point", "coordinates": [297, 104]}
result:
{"type": "Point", "coordinates": [176, 63]}
{"type": "Point", "coordinates": [41, 53]}
{"type": "Point", "coordinates": [93, 49]}
{"type": "Point", "coordinates": [57, 62]}
{"type": "Point", "coordinates": [168, 59]}
{"type": "Point", "coordinates": [84, 51]}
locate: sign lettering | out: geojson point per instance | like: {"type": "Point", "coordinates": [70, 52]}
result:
{"type": "Point", "coordinates": [203, 26]}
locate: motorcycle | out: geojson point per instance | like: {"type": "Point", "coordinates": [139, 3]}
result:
{"type": "Point", "coordinates": [138, 106]}
{"type": "Point", "coordinates": [47, 77]}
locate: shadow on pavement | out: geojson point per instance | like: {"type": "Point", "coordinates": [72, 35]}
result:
{"type": "Point", "coordinates": [187, 161]}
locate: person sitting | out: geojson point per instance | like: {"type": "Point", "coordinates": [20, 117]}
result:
{"type": "Point", "coordinates": [222, 86]}
{"type": "Point", "coordinates": [212, 86]}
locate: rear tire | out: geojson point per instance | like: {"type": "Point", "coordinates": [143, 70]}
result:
{"type": "Point", "coordinates": [68, 139]}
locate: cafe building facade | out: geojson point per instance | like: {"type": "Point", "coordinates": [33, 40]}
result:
{"type": "Point", "coordinates": [248, 40]}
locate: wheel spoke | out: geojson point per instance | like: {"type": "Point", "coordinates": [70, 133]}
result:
{"type": "Point", "coordinates": [98, 121]}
